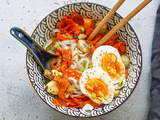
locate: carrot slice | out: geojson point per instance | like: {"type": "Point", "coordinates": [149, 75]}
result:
{"type": "Point", "coordinates": [95, 40]}
{"type": "Point", "coordinates": [82, 97]}
{"type": "Point", "coordinates": [120, 46]}
{"type": "Point", "coordinates": [64, 82]}
{"type": "Point", "coordinates": [87, 23]}
{"type": "Point", "coordinates": [73, 73]}
{"type": "Point", "coordinates": [62, 37]}
{"type": "Point", "coordinates": [92, 48]}
{"type": "Point", "coordinates": [57, 78]}
{"type": "Point", "coordinates": [126, 73]}
{"type": "Point", "coordinates": [88, 26]}
{"type": "Point", "coordinates": [112, 40]}
{"type": "Point", "coordinates": [77, 29]}
{"type": "Point", "coordinates": [67, 55]}
{"type": "Point", "coordinates": [56, 102]}
{"type": "Point", "coordinates": [78, 102]}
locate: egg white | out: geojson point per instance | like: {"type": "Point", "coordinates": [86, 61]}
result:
{"type": "Point", "coordinates": [98, 55]}
{"type": "Point", "coordinates": [99, 74]}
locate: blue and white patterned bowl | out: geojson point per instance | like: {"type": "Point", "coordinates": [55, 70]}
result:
{"type": "Point", "coordinates": [42, 34]}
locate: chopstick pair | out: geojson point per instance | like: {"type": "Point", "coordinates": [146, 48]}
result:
{"type": "Point", "coordinates": [119, 25]}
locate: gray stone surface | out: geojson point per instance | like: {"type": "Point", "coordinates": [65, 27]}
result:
{"type": "Point", "coordinates": [18, 100]}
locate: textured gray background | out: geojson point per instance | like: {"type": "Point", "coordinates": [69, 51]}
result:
{"type": "Point", "coordinates": [18, 100]}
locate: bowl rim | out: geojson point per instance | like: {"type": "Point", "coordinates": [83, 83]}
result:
{"type": "Point", "coordinates": [137, 78]}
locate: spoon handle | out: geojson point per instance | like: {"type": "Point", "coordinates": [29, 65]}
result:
{"type": "Point", "coordinates": [40, 53]}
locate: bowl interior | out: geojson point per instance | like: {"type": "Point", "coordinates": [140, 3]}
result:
{"type": "Point", "coordinates": [42, 34]}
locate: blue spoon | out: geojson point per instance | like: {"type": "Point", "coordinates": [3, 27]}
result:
{"type": "Point", "coordinates": [43, 57]}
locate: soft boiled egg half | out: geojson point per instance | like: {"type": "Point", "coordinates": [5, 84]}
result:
{"type": "Point", "coordinates": [97, 85]}
{"type": "Point", "coordinates": [108, 58]}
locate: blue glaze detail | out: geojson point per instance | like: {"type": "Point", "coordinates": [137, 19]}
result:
{"type": "Point", "coordinates": [39, 52]}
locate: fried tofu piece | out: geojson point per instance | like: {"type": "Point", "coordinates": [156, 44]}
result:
{"type": "Point", "coordinates": [52, 87]}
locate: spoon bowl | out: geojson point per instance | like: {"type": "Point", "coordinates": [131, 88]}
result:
{"type": "Point", "coordinates": [43, 57]}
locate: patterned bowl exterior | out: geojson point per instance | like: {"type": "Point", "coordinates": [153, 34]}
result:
{"type": "Point", "coordinates": [42, 34]}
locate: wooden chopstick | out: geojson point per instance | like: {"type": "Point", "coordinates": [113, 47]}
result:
{"type": "Point", "coordinates": [105, 19]}
{"type": "Point", "coordinates": [122, 23]}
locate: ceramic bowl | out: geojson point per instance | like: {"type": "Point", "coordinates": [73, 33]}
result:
{"type": "Point", "coordinates": [42, 34]}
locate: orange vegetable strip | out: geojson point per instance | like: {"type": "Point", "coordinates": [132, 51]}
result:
{"type": "Point", "coordinates": [78, 102]}
{"type": "Point", "coordinates": [87, 26]}
{"type": "Point", "coordinates": [92, 48]}
{"type": "Point", "coordinates": [82, 97]}
{"type": "Point", "coordinates": [64, 82]}
{"type": "Point", "coordinates": [73, 73]}
{"type": "Point", "coordinates": [57, 78]}
{"type": "Point", "coordinates": [67, 55]}
{"type": "Point", "coordinates": [87, 23]}
{"type": "Point", "coordinates": [111, 41]}
{"type": "Point", "coordinates": [77, 29]}
{"type": "Point", "coordinates": [62, 37]}
{"type": "Point", "coordinates": [95, 40]}
{"type": "Point", "coordinates": [120, 47]}
{"type": "Point", "coordinates": [56, 102]}
{"type": "Point", "coordinates": [126, 73]}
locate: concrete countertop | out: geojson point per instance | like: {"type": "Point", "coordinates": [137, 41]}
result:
{"type": "Point", "coordinates": [18, 100]}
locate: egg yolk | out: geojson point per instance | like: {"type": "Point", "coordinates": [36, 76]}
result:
{"type": "Point", "coordinates": [112, 65]}
{"type": "Point", "coordinates": [98, 87]}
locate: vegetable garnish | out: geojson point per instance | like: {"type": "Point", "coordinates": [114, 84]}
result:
{"type": "Point", "coordinates": [89, 47]}
{"type": "Point", "coordinates": [83, 70]}
{"type": "Point", "coordinates": [90, 65]}
{"type": "Point", "coordinates": [70, 37]}
{"type": "Point", "coordinates": [83, 29]}
{"type": "Point", "coordinates": [56, 45]}
{"type": "Point", "coordinates": [84, 63]}
{"type": "Point", "coordinates": [48, 48]}
{"type": "Point", "coordinates": [60, 74]}
{"type": "Point", "coordinates": [93, 95]}
{"type": "Point", "coordinates": [120, 82]}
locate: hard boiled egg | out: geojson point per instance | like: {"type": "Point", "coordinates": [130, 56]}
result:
{"type": "Point", "coordinates": [97, 85]}
{"type": "Point", "coordinates": [108, 58]}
